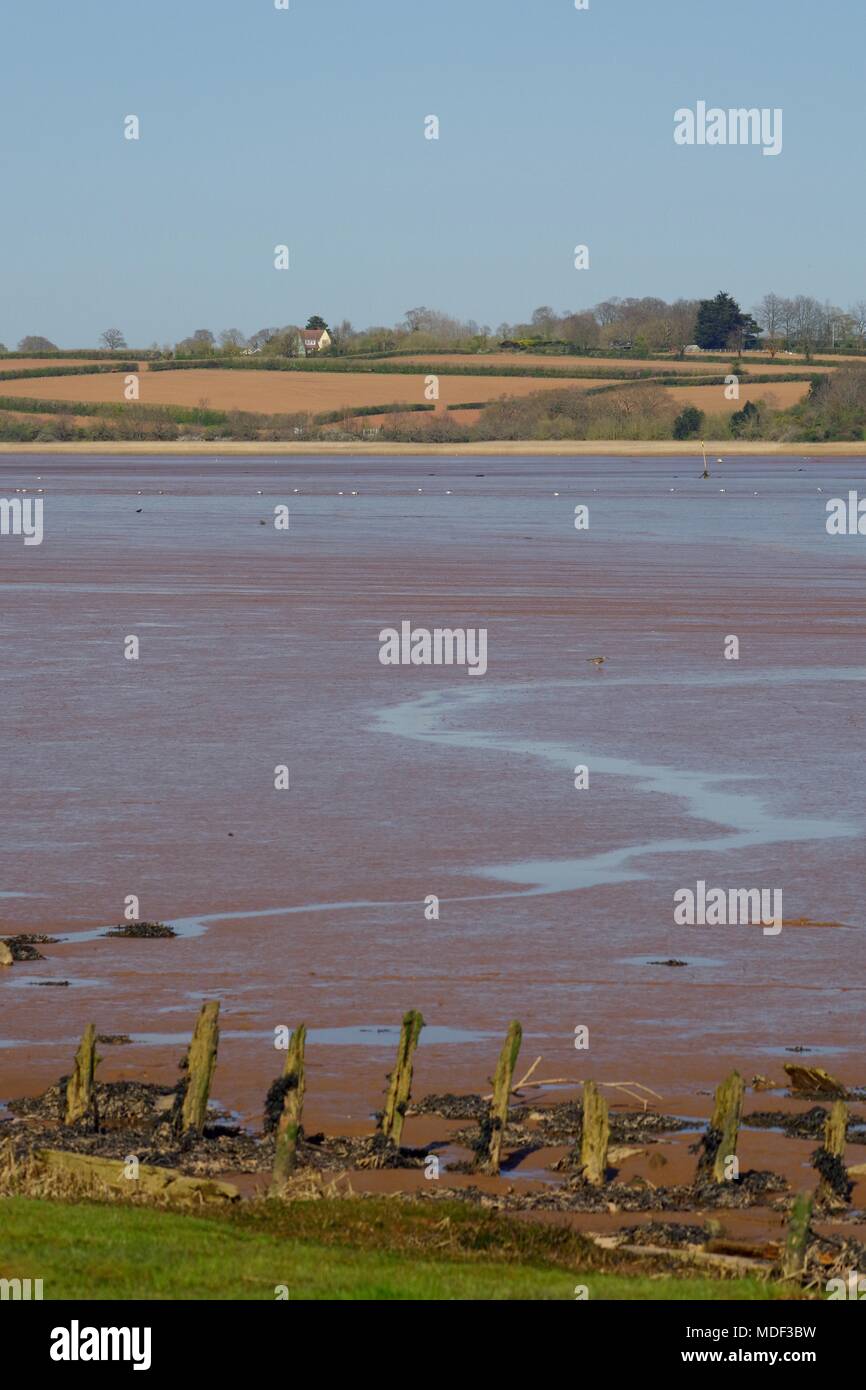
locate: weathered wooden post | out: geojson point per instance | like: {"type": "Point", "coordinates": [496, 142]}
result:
{"type": "Point", "coordinates": [794, 1256]}
{"type": "Point", "coordinates": [289, 1127]}
{"type": "Point", "coordinates": [400, 1079]}
{"type": "Point", "coordinates": [200, 1064]}
{"type": "Point", "coordinates": [836, 1129]}
{"type": "Point", "coordinates": [720, 1141]}
{"type": "Point", "coordinates": [497, 1116]}
{"type": "Point", "coordinates": [80, 1093]}
{"type": "Point", "coordinates": [595, 1135]}
{"type": "Point", "coordinates": [834, 1189]}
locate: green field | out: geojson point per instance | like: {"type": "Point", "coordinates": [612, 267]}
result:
{"type": "Point", "coordinates": [340, 1249]}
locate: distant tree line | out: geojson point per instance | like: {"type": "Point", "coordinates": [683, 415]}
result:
{"type": "Point", "coordinates": [640, 327]}
{"type": "Point", "coordinates": [796, 324]}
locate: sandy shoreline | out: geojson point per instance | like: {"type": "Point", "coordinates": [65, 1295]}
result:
{"type": "Point", "coordinates": [592, 448]}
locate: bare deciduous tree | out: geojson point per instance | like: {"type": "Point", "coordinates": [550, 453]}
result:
{"type": "Point", "coordinates": [112, 339]}
{"type": "Point", "coordinates": [857, 315]}
{"type": "Point", "coordinates": [581, 330]}
{"type": "Point", "coordinates": [232, 338]}
{"type": "Point", "coordinates": [769, 314]}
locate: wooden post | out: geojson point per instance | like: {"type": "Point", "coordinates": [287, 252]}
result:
{"type": "Point", "coordinates": [834, 1188]}
{"type": "Point", "coordinates": [497, 1116]}
{"type": "Point", "coordinates": [289, 1126]}
{"type": "Point", "coordinates": [595, 1135]}
{"type": "Point", "coordinates": [794, 1257]}
{"type": "Point", "coordinates": [836, 1128]}
{"type": "Point", "coordinates": [80, 1094]}
{"type": "Point", "coordinates": [400, 1079]}
{"type": "Point", "coordinates": [200, 1063]}
{"type": "Point", "coordinates": [720, 1141]}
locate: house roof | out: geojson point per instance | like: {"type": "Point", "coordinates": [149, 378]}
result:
{"type": "Point", "coordinates": [314, 333]}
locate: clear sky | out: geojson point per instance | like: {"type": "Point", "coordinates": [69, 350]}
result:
{"type": "Point", "coordinates": [306, 127]}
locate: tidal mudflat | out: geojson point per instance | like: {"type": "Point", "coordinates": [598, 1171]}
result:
{"type": "Point", "coordinates": [259, 648]}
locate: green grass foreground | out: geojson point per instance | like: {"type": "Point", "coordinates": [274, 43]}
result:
{"type": "Point", "coordinates": [348, 1248]}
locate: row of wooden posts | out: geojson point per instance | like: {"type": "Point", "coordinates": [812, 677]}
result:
{"type": "Point", "coordinates": [719, 1148]}
{"type": "Point", "coordinates": [191, 1111]}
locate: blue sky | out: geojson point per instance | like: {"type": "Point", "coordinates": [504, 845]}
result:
{"type": "Point", "coordinates": [306, 127]}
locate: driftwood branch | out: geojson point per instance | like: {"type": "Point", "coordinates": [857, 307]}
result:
{"type": "Point", "coordinates": [524, 1084]}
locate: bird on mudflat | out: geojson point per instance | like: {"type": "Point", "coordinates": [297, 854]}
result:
{"type": "Point", "coordinates": [596, 660]}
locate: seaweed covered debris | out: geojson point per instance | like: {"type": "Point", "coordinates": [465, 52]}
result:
{"type": "Point", "coordinates": [335, 1153]}
{"type": "Point", "coordinates": [562, 1124]}
{"type": "Point", "coordinates": [453, 1107]}
{"type": "Point", "coordinates": [23, 946]}
{"type": "Point", "coordinates": [141, 930]}
{"type": "Point", "coordinates": [835, 1187]}
{"type": "Point", "coordinates": [134, 1119]}
{"type": "Point", "coordinates": [808, 1124]}
{"type": "Point", "coordinates": [752, 1189]}
{"type": "Point", "coordinates": [137, 1118]}
{"type": "Point", "coordinates": [127, 1105]}
{"type": "Point", "coordinates": [671, 1235]}
{"type": "Point", "coordinates": [829, 1257]}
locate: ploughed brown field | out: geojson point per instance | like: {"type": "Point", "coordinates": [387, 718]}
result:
{"type": "Point", "coordinates": [660, 367]}
{"type": "Point", "coordinates": [531, 360]}
{"type": "Point", "coordinates": [276, 393]}
{"type": "Point", "coordinates": [819, 361]}
{"type": "Point", "coordinates": [712, 398]}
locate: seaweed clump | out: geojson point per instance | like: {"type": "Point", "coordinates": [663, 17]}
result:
{"type": "Point", "coordinates": [141, 930]}
{"type": "Point", "coordinates": [23, 946]}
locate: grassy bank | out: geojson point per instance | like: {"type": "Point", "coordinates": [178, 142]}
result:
{"type": "Point", "coordinates": [345, 1248]}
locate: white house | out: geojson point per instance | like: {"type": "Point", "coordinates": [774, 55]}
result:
{"type": "Point", "coordinates": [315, 340]}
